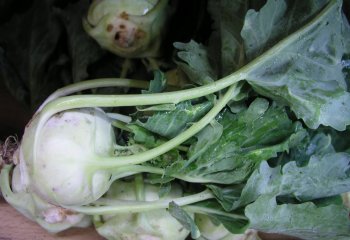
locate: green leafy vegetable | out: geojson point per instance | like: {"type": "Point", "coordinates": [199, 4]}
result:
{"type": "Point", "coordinates": [306, 220]}
{"type": "Point", "coordinates": [257, 139]}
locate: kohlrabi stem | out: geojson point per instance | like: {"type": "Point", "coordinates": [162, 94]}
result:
{"type": "Point", "coordinates": [95, 83]}
{"type": "Point", "coordinates": [139, 187]}
{"type": "Point", "coordinates": [167, 146]}
{"type": "Point", "coordinates": [130, 170]}
{"type": "Point", "coordinates": [119, 206]}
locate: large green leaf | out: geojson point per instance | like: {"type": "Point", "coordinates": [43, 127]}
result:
{"type": "Point", "coordinates": [306, 221]}
{"type": "Point", "coordinates": [248, 138]}
{"type": "Point", "coordinates": [194, 61]}
{"type": "Point", "coordinates": [324, 176]}
{"type": "Point", "coordinates": [274, 21]}
{"type": "Point", "coordinates": [305, 71]}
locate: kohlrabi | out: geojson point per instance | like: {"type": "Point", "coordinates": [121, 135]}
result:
{"type": "Point", "coordinates": [73, 150]}
{"type": "Point", "coordinates": [130, 29]}
{"type": "Point", "coordinates": [155, 224]}
{"type": "Point", "coordinates": [68, 141]}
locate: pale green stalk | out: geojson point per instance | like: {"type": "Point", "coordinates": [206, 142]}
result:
{"type": "Point", "coordinates": [95, 83]}
{"type": "Point", "coordinates": [130, 170]}
{"type": "Point", "coordinates": [119, 206]}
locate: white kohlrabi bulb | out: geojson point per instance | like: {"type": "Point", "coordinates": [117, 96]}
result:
{"type": "Point", "coordinates": [153, 225]}
{"type": "Point", "coordinates": [60, 173]}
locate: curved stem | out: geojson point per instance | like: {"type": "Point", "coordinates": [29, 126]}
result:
{"type": "Point", "coordinates": [119, 206]}
{"type": "Point", "coordinates": [130, 170]}
{"type": "Point", "coordinates": [95, 83]}
{"type": "Point", "coordinates": [167, 146]}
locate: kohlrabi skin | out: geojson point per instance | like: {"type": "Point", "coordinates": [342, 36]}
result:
{"type": "Point", "coordinates": [150, 225]}
{"type": "Point", "coordinates": [216, 231]}
{"type": "Point", "coordinates": [128, 28]}
{"type": "Point", "coordinates": [60, 173]}
{"type": "Point", "coordinates": [52, 218]}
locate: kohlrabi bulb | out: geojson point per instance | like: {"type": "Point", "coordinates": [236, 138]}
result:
{"type": "Point", "coordinates": [150, 225]}
{"type": "Point", "coordinates": [128, 28]}
{"type": "Point", "coordinates": [61, 172]}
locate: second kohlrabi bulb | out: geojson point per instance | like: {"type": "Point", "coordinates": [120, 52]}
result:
{"type": "Point", "coordinates": [128, 28]}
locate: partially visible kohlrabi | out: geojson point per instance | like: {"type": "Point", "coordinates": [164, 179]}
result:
{"type": "Point", "coordinates": [128, 28]}
{"type": "Point", "coordinates": [155, 224]}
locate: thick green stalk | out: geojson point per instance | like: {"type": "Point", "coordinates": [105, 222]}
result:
{"type": "Point", "coordinates": [95, 83]}
{"type": "Point", "coordinates": [118, 206]}
{"type": "Point", "coordinates": [130, 170]}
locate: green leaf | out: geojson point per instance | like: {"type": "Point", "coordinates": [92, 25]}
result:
{"type": "Point", "coordinates": [205, 138]}
{"type": "Point", "coordinates": [274, 21]}
{"type": "Point", "coordinates": [305, 71]}
{"type": "Point", "coordinates": [158, 84]}
{"type": "Point", "coordinates": [142, 135]}
{"type": "Point", "coordinates": [248, 138]}
{"type": "Point", "coordinates": [171, 123]}
{"type": "Point", "coordinates": [324, 176]}
{"type": "Point", "coordinates": [306, 221]}
{"type": "Point", "coordinates": [319, 144]}
{"type": "Point", "coordinates": [185, 219]}
{"type": "Point", "coordinates": [194, 61]}
{"type": "Point", "coordinates": [260, 27]}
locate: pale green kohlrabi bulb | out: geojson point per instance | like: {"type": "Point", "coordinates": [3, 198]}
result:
{"type": "Point", "coordinates": [61, 172]}
{"type": "Point", "coordinates": [150, 225]}
{"type": "Point", "coordinates": [128, 28]}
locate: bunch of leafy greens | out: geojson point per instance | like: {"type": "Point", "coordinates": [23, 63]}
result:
{"type": "Point", "coordinates": [258, 139]}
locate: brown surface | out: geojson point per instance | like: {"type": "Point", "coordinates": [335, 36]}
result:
{"type": "Point", "coordinates": [14, 226]}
